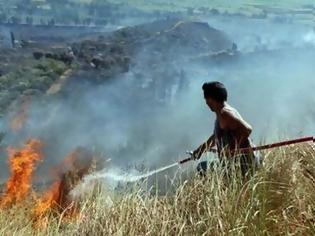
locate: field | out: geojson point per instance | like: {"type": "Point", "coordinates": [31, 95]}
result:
{"type": "Point", "coordinates": [277, 200]}
{"type": "Point", "coordinates": [300, 11]}
{"type": "Point", "coordinates": [286, 4]}
{"type": "Point", "coordinates": [84, 12]}
{"type": "Point", "coordinates": [135, 94]}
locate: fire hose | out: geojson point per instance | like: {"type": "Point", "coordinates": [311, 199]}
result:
{"type": "Point", "coordinates": [263, 147]}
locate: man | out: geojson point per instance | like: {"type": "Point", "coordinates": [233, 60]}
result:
{"type": "Point", "coordinates": [231, 131]}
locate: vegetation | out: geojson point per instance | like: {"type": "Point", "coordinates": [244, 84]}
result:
{"type": "Point", "coordinates": [103, 12]}
{"type": "Point", "coordinates": [33, 76]}
{"type": "Point", "coordinates": [218, 3]}
{"type": "Point", "coordinates": [277, 200]}
{"type": "Point", "coordinates": [64, 12]}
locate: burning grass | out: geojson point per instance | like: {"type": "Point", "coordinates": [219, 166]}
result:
{"type": "Point", "coordinates": [278, 200]}
{"type": "Point", "coordinates": [22, 165]}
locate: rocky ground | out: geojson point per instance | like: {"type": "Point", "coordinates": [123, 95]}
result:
{"type": "Point", "coordinates": [43, 67]}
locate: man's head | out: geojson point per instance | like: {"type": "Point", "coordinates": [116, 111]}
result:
{"type": "Point", "coordinates": [215, 94]}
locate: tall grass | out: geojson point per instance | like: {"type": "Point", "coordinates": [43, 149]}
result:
{"type": "Point", "coordinates": [278, 200]}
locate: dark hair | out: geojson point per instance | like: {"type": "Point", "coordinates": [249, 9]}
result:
{"type": "Point", "coordinates": [215, 90]}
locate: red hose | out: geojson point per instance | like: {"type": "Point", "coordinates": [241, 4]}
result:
{"type": "Point", "coordinates": [264, 147]}
{"type": "Point", "coordinates": [280, 144]}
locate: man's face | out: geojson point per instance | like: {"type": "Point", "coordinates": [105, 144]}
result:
{"type": "Point", "coordinates": [211, 103]}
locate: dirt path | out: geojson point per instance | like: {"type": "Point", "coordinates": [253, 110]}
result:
{"type": "Point", "coordinates": [55, 87]}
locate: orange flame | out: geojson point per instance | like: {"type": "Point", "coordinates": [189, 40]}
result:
{"type": "Point", "coordinates": [22, 165]}
{"type": "Point", "coordinates": [48, 200]}
{"type": "Point", "coordinates": [57, 198]}
{"type": "Point", "coordinates": [45, 204]}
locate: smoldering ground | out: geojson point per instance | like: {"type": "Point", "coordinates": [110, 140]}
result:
{"type": "Point", "coordinates": [134, 125]}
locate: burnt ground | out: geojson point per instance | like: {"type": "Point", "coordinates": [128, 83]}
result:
{"type": "Point", "coordinates": [152, 54]}
{"type": "Point", "coordinates": [41, 58]}
{"type": "Point", "coordinates": [49, 61]}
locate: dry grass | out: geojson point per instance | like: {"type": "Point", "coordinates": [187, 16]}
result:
{"type": "Point", "coordinates": [278, 200]}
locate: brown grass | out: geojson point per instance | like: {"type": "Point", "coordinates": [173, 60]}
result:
{"type": "Point", "coordinates": [277, 200]}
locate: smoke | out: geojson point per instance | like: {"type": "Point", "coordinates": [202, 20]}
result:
{"type": "Point", "coordinates": [5, 39]}
{"type": "Point", "coordinates": [272, 84]}
{"type": "Point", "coordinates": [117, 121]}
{"type": "Point", "coordinates": [262, 34]}
{"type": "Point", "coordinates": [310, 37]}
{"type": "Point", "coordinates": [149, 120]}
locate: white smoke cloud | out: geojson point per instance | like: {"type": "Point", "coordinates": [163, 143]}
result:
{"type": "Point", "coordinates": [273, 89]}
{"type": "Point", "coordinates": [310, 37]}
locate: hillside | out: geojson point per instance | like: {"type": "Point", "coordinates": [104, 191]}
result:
{"type": "Point", "coordinates": [99, 56]}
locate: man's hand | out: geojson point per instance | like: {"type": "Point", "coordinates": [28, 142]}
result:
{"type": "Point", "coordinates": [196, 154]}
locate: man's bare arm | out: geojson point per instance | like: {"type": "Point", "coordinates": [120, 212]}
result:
{"type": "Point", "coordinates": [204, 147]}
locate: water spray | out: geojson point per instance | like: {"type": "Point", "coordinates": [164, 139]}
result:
{"type": "Point", "coordinates": [129, 177]}
{"type": "Point", "coordinates": [117, 177]}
